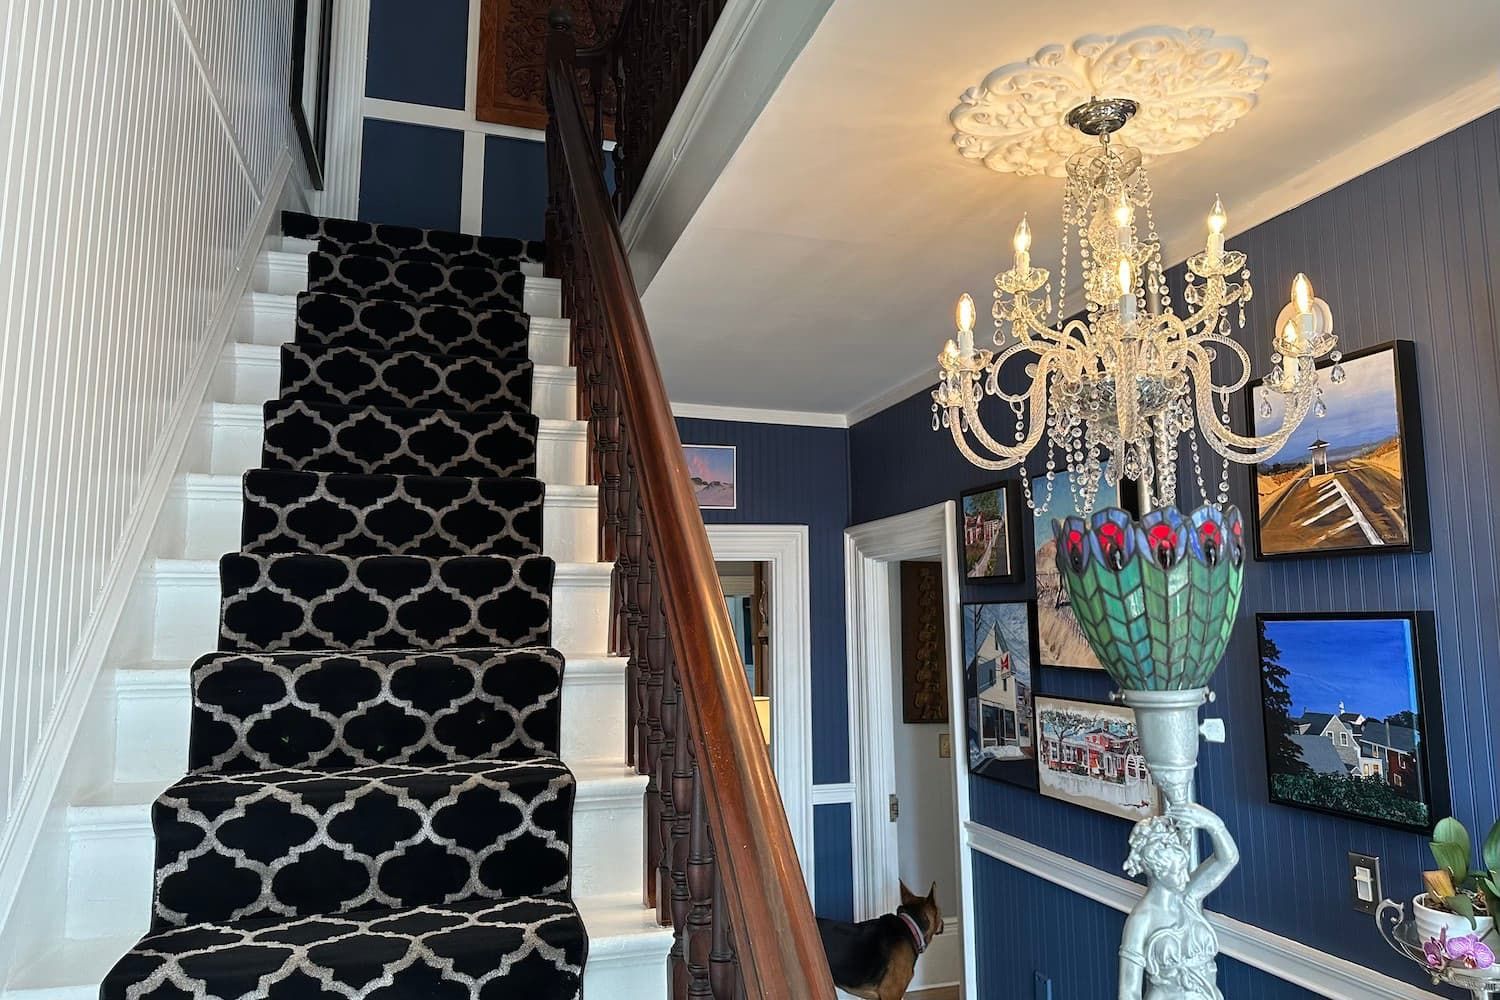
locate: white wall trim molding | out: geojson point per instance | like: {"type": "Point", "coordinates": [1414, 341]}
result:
{"type": "Point", "coordinates": [1288, 960]}
{"type": "Point", "coordinates": [752, 415]}
{"type": "Point", "coordinates": [752, 46]}
{"type": "Point", "coordinates": [457, 119]}
{"type": "Point", "coordinates": [1396, 139]}
{"type": "Point", "coordinates": [346, 119]}
{"type": "Point", "coordinates": [834, 793]}
{"type": "Point", "coordinates": [35, 796]}
{"type": "Point", "coordinates": [869, 549]}
{"type": "Point", "coordinates": [785, 548]}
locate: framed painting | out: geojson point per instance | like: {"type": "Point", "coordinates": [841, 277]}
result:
{"type": "Point", "coordinates": [1352, 715]}
{"type": "Point", "coordinates": [1061, 642]}
{"type": "Point", "coordinates": [924, 650]}
{"type": "Point", "coordinates": [1351, 482]}
{"type": "Point", "coordinates": [989, 536]}
{"type": "Point", "coordinates": [1089, 754]}
{"type": "Point", "coordinates": [312, 34]}
{"type": "Point", "coordinates": [713, 472]}
{"type": "Point", "coordinates": [999, 643]}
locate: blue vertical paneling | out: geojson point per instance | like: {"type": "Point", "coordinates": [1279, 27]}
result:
{"type": "Point", "coordinates": [1410, 250]}
{"type": "Point", "coordinates": [833, 864]}
{"type": "Point", "coordinates": [411, 175]}
{"type": "Point", "coordinates": [418, 52]}
{"type": "Point", "coordinates": [515, 187]}
{"type": "Point", "coordinates": [800, 475]}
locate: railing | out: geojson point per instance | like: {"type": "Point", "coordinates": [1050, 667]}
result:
{"type": "Point", "coordinates": [656, 45]}
{"type": "Point", "coordinates": [720, 867]}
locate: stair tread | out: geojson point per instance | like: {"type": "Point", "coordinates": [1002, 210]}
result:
{"type": "Point", "coordinates": [255, 413]}
{"type": "Point", "coordinates": [361, 276]}
{"type": "Point", "coordinates": [404, 379]}
{"type": "Point", "coordinates": [270, 355]}
{"type": "Point", "coordinates": [408, 239]}
{"type": "Point", "coordinates": [233, 485]}
{"type": "Point", "coordinates": [324, 318]}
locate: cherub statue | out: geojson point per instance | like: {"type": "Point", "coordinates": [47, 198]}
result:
{"type": "Point", "coordinates": [1168, 949]}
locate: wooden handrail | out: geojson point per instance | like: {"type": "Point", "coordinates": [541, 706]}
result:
{"type": "Point", "coordinates": [732, 874]}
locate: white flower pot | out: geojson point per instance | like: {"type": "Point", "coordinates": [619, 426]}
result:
{"type": "Point", "coordinates": [1432, 922]}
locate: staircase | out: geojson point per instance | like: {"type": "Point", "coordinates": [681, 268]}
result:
{"type": "Point", "coordinates": [403, 769]}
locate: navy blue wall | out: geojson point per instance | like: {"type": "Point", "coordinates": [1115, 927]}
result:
{"type": "Point", "coordinates": [413, 174]}
{"type": "Point", "coordinates": [800, 475]}
{"type": "Point", "coordinates": [1410, 250]}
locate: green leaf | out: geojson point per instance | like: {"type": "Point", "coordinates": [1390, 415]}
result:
{"type": "Point", "coordinates": [1451, 831]}
{"type": "Point", "coordinates": [1453, 858]}
{"type": "Point", "coordinates": [1461, 905]}
{"type": "Point", "coordinates": [1491, 850]}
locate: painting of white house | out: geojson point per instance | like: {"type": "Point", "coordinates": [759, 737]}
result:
{"type": "Point", "coordinates": [999, 653]}
{"type": "Point", "coordinates": [711, 469]}
{"type": "Point", "coordinates": [1089, 754]}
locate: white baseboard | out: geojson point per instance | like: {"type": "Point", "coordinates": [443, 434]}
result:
{"type": "Point", "coordinates": [39, 788]}
{"type": "Point", "coordinates": [1324, 974]}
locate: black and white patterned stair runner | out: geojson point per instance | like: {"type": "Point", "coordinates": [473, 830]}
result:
{"type": "Point", "coordinates": [374, 805]}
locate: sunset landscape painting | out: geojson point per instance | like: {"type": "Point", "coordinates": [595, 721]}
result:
{"type": "Point", "coordinates": [711, 469]}
{"type": "Point", "coordinates": [1346, 482]}
{"type": "Point", "coordinates": [1060, 639]}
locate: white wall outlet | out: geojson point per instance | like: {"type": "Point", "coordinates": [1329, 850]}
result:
{"type": "Point", "coordinates": [1364, 881]}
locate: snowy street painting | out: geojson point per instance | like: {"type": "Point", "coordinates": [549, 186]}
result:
{"type": "Point", "coordinates": [1089, 754]}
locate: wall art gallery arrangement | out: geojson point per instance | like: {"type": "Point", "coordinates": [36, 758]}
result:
{"type": "Point", "coordinates": [1353, 723]}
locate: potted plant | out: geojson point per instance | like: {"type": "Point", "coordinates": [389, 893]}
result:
{"type": "Point", "coordinates": [1460, 900]}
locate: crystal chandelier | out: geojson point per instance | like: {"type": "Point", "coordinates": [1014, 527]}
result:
{"type": "Point", "coordinates": [1117, 389]}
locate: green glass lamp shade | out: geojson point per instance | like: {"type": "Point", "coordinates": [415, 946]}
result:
{"type": "Point", "coordinates": [1157, 597]}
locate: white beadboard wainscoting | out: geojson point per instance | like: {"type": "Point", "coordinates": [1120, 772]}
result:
{"type": "Point", "coordinates": [144, 148]}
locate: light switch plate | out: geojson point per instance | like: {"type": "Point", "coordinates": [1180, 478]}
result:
{"type": "Point", "coordinates": [1364, 882]}
{"type": "Point", "coordinates": [945, 745]}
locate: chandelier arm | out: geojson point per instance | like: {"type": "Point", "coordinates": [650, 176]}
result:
{"type": "Point", "coordinates": [1197, 348]}
{"type": "Point", "coordinates": [1239, 447]}
{"type": "Point", "coordinates": [969, 453]}
{"type": "Point", "coordinates": [1037, 422]}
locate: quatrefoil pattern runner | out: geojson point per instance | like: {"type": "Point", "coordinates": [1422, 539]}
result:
{"type": "Point", "coordinates": [416, 281]}
{"type": "Point", "coordinates": [406, 379]}
{"type": "Point", "coordinates": [385, 325]}
{"type": "Point", "coordinates": [361, 515]}
{"type": "Point", "coordinates": [375, 807]}
{"type": "Point", "coordinates": [298, 841]}
{"type": "Point", "coordinates": [331, 437]}
{"type": "Point", "coordinates": [295, 601]}
{"type": "Point", "coordinates": [530, 947]}
{"type": "Point", "coordinates": [259, 711]}
{"type": "Point", "coordinates": [345, 236]}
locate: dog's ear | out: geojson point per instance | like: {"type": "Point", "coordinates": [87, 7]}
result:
{"type": "Point", "coordinates": [907, 896]}
{"type": "Point", "coordinates": [932, 894]}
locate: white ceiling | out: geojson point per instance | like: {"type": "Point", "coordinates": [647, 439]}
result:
{"type": "Point", "coordinates": [820, 272]}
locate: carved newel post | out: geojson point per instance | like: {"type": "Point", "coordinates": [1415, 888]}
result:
{"type": "Point", "coordinates": [1157, 599]}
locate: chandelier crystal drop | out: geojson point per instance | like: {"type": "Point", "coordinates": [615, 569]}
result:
{"type": "Point", "coordinates": [1117, 389]}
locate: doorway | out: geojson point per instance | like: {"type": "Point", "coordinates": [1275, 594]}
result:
{"type": "Point", "coordinates": [906, 756]}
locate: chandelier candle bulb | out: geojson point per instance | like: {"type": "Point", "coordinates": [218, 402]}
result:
{"type": "Point", "coordinates": [1022, 244]}
{"type": "Point", "coordinates": [964, 315]}
{"type": "Point", "coordinates": [1123, 216]}
{"type": "Point", "coordinates": [1127, 291]}
{"type": "Point", "coordinates": [1217, 220]}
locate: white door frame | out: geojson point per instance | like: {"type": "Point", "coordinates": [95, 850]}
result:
{"type": "Point", "coordinates": [785, 548]}
{"type": "Point", "coordinates": [869, 549]}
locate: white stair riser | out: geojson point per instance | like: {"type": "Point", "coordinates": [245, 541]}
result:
{"type": "Point", "coordinates": [152, 715]}
{"type": "Point", "coordinates": [254, 376]}
{"type": "Point", "coordinates": [210, 524]}
{"type": "Point", "coordinates": [111, 859]}
{"type": "Point", "coordinates": [235, 445]}
{"type": "Point", "coordinates": [188, 597]}
{"type": "Point", "coordinates": [626, 977]}
{"type": "Point", "coordinates": [270, 320]}
{"type": "Point", "coordinates": [286, 274]}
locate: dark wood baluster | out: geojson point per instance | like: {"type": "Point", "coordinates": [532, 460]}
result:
{"type": "Point", "coordinates": [684, 778]}
{"type": "Point", "coordinates": [700, 885]}
{"type": "Point", "coordinates": [723, 966]}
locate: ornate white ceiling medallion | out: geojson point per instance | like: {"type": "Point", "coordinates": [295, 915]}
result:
{"type": "Point", "coordinates": [1189, 84]}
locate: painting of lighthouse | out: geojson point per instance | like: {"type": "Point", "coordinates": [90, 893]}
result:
{"type": "Point", "coordinates": [1352, 480]}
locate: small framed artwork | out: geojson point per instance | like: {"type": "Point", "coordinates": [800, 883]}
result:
{"type": "Point", "coordinates": [924, 650]}
{"type": "Point", "coordinates": [1352, 715]}
{"type": "Point", "coordinates": [312, 34]}
{"type": "Point", "coordinates": [712, 470]}
{"type": "Point", "coordinates": [989, 536]}
{"type": "Point", "coordinates": [1089, 754]}
{"type": "Point", "coordinates": [1061, 642]}
{"type": "Point", "coordinates": [1353, 481]}
{"type": "Point", "coordinates": [999, 644]}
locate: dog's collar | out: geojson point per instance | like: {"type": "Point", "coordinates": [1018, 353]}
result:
{"type": "Point", "coordinates": [916, 931]}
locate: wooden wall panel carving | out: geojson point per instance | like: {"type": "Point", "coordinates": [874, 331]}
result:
{"type": "Point", "coordinates": [512, 58]}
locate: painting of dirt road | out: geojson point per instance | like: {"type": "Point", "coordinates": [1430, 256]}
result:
{"type": "Point", "coordinates": [1339, 484]}
{"type": "Point", "coordinates": [1060, 640]}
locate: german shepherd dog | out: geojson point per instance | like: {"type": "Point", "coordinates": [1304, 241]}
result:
{"type": "Point", "coordinates": [875, 959]}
